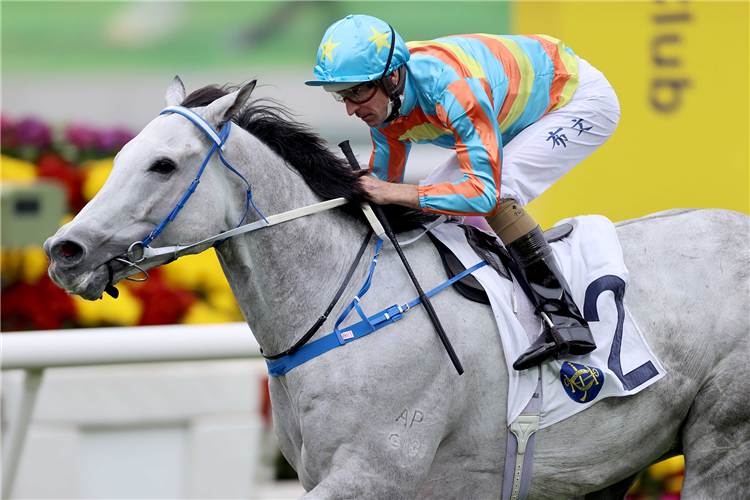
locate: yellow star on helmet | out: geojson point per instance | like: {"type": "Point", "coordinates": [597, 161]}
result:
{"type": "Point", "coordinates": [380, 39]}
{"type": "Point", "coordinates": [327, 49]}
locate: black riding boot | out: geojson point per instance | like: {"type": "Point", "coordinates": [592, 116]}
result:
{"type": "Point", "coordinates": [565, 332]}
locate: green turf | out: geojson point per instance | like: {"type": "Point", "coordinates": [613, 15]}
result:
{"type": "Point", "coordinates": [69, 37]}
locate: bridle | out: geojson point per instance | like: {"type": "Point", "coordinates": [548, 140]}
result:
{"type": "Point", "coordinates": [140, 253]}
{"type": "Point", "coordinates": [147, 253]}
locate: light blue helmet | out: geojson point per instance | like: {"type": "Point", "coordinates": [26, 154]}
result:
{"type": "Point", "coordinates": [358, 49]}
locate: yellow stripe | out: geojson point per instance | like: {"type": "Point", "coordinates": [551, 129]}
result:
{"type": "Point", "coordinates": [424, 132]}
{"type": "Point", "coordinates": [474, 68]}
{"type": "Point", "coordinates": [527, 80]}
{"type": "Point", "coordinates": [571, 66]}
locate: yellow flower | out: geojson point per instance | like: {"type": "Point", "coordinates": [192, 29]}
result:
{"type": "Point", "coordinates": [125, 311]}
{"type": "Point", "coordinates": [199, 273]}
{"type": "Point", "coordinates": [11, 265]}
{"type": "Point", "coordinates": [13, 169]}
{"type": "Point", "coordinates": [213, 274]}
{"type": "Point", "coordinates": [223, 300]}
{"type": "Point", "coordinates": [201, 313]}
{"type": "Point", "coordinates": [186, 272]}
{"type": "Point", "coordinates": [97, 173]}
{"type": "Point", "coordinates": [670, 467]}
{"type": "Point", "coordinates": [674, 484]}
{"type": "Point", "coordinates": [66, 218]}
{"type": "Point", "coordinates": [34, 264]}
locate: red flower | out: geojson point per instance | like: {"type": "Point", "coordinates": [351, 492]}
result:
{"type": "Point", "coordinates": [8, 137]}
{"type": "Point", "coordinates": [52, 166]}
{"type": "Point", "coordinates": [162, 305]}
{"type": "Point", "coordinates": [43, 306]}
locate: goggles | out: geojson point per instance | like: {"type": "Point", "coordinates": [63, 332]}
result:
{"type": "Point", "coordinates": [359, 94]}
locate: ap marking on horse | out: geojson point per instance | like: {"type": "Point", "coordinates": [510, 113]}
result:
{"type": "Point", "coordinates": [387, 416]}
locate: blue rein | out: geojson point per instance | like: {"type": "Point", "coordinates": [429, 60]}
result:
{"type": "Point", "coordinates": [219, 139]}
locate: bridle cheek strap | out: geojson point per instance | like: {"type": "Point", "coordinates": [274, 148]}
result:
{"type": "Point", "coordinates": [219, 140]}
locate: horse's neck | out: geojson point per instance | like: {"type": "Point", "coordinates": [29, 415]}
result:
{"type": "Point", "coordinates": [284, 276]}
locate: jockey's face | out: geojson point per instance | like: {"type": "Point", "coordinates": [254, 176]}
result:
{"type": "Point", "coordinates": [375, 111]}
{"type": "Point", "coordinates": [372, 112]}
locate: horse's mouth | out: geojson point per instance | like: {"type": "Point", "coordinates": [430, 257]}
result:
{"type": "Point", "coordinates": [89, 285]}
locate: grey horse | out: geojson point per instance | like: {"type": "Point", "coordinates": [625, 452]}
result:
{"type": "Point", "coordinates": [387, 416]}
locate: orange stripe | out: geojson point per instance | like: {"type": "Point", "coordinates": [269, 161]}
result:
{"type": "Point", "coordinates": [372, 155]}
{"type": "Point", "coordinates": [468, 188]}
{"type": "Point", "coordinates": [561, 73]}
{"type": "Point", "coordinates": [510, 66]}
{"type": "Point", "coordinates": [473, 186]}
{"type": "Point", "coordinates": [483, 125]}
{"type": "Point", "coordinates": [415, 118]}
{"type": "Point", "coordinates": [446, 56]}
{"type": "Point", "coordinates": [396, 159]}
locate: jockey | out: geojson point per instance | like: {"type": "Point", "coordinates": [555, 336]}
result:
{"type": "Point", "coordinates": [518, 112]}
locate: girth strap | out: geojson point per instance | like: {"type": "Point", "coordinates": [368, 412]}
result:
{"type": "Point", "coordinates": [356, 331]}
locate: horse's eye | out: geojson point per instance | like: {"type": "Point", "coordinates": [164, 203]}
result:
{"type": "Point", "coordinates": [162, 167]}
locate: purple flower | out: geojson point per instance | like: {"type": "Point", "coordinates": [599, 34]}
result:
{"type": "Point", "coordinates": [81, 136]}
{"type": "Point", "coordinates": [113, 139]}
{"type": "Point", "coordinates": [31, 131]}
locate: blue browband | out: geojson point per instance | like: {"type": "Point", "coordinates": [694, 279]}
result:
{"type": "Point", "coordinates": [358, 330]}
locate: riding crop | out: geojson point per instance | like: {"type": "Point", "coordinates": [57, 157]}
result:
{"type": "Point", "coordinates": [347, 150]}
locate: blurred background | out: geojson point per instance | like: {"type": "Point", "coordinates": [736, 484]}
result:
{"type": "Point", "coordinates": [79, 79]}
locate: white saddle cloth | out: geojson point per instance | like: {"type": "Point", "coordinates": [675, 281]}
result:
{"type": "Point", "coordinates": [592, 262]}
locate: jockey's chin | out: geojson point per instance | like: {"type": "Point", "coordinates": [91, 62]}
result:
{"type": "Point", "coordinates": [371, 119]}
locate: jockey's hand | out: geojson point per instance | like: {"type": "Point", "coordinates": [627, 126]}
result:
{"type": "Point", "coordinates": [385, 193]}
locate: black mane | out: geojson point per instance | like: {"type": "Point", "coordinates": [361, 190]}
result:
{"type": "Point", "coordinates": [327, 174]}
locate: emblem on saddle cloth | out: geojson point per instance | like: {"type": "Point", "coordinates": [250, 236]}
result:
{"type": "Point", "coordinates": [582, 383]}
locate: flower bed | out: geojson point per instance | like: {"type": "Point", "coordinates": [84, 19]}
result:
{"type": "Point", "coordinates": [79, 158]}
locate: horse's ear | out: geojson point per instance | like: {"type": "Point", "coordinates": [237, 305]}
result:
{"type": "Point", "coordinates": [222, 110]}
{"type": "Point", "coordinates": [175, 93]}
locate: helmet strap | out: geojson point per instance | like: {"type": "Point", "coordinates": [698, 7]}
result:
{"type": "Point", "coordinates": [393, 91]}
{"type": "Point", "coordinates": [394, 94]}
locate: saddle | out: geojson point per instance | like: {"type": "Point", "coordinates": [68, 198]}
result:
{"type": "Point", "coordinates": [488, 247]}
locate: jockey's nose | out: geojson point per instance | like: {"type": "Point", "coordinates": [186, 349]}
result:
{"type": "Point", "coordinates": [351, 107]}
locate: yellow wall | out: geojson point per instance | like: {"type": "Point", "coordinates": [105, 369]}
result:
{"type": "Point", "coordinates": [694, 155]}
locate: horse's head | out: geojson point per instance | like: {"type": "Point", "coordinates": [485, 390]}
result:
{"type": "Point", "coordinates": [149, 177]}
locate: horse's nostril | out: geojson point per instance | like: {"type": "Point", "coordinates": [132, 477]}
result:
{"type": "Point", "coordinates": [69, 249]}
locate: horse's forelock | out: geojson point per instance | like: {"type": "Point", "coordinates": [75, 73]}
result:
{"type": "Point", "coordinates": [207, 95]}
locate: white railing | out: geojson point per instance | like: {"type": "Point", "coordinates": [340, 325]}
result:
{"type": "Point", "coordinates": [35, 351]}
